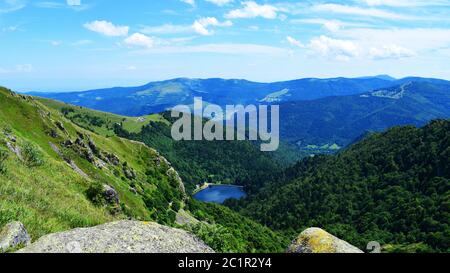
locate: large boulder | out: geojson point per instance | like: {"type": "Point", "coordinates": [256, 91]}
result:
{"type": "Point", "coordinates": [120, 237]}
{"type": "Point", "coordinates": [110, 194]}
{"type": "Point", "coordinates": [316, 240]}
{"type": "Point", "coordinates": [13, 235]}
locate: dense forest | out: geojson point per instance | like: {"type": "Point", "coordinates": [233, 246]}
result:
{"type": "Point", "coordinates": [205, 161]}
{"type": "Point", "coordinates": [391, 187]}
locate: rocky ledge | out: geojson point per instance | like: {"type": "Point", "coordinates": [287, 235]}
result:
{"type": "Point", "coordinates": [120, 237]}
{"type": "Point", "coordinates": [316, 240]}
{"type": "Point", "coordinates": [13, 235]}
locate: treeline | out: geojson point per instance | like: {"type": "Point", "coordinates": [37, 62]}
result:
{"type": "Point", "coordinates": [392, 187]}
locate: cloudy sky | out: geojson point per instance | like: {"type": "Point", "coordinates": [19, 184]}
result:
{"type": "Point", "coordinates": [63, 45]}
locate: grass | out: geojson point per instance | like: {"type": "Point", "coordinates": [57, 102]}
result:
{"type": "Point", "coordinates": [43, 192]}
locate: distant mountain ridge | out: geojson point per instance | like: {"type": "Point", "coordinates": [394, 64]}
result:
{"type": "Point", "coordinates": [344, 119]}
{"type": "Point", "coordinates": [159, 96]}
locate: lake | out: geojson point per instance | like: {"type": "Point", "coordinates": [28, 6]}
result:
{"type": "Point", "coordinates": [220, 193]}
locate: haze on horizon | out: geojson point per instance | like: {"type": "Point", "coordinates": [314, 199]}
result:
{"type": "Point", "coordinates": [70, 45]}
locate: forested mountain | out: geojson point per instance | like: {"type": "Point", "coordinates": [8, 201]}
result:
{"type": "Point", "coordinates": [56, 175]}
{"type": "Point", "coordinates": [157, 97]}
{"type": "Point", "coordinates": [391, 187]}
{"type": "Point", "coordinates": [196, 161]}
{"type": "Point", "coordinates": [342, 120]}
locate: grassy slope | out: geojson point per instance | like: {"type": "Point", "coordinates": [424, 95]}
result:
{"type": "Point", "coordinates": [51, 197]}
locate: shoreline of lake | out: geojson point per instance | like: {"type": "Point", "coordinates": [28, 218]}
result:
{"type": "Point", "coordinates": [218, 193]}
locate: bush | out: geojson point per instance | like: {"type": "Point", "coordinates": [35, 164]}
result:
{"type": "Point", "coordinates": [7, 129]}
{"type": "Point", "coordinates": [3, 156]}
{"type": "Point", "coordinates": [217, 237]}
{"type": "Point", "coordinates": [32, 157]}
{"type": "Point", "coordinates": [95, 194]}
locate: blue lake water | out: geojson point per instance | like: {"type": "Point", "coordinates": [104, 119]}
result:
{"type": "Point", "coordinates": [220, 193]}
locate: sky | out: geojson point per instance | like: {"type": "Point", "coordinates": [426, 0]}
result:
{"type": "Point", "coordinates": [70, 45]}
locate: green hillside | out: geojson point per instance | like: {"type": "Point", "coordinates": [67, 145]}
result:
{"type": "Point", "coordinates": [53, 172]}
{"type": "Point", "coordinates": [391, 187]}
{"type": "Point", "coordinates": [54, 180]}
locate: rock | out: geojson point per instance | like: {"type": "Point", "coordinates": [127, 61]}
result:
{"type": "Point", "coordinates": [111, 194]}
{"type": "Point", "coordinates": [60, 126]}
{"type": "Point", "coordinates": [11, 137]}
{"type": "Point", "coordinates": [77, 169]}
{"type": "Point", "coordinates": [129, 173]}
{"type": "Point", "coordinates": [113, 159]}
{"type": "Point", "coordinates": [120, 237]}
{"type": "Point", "coordinates": [15, 149]}
{"type": "Point", "coordinates": [52, 133]}
{"type": "Point", "coordinates": [185, 218]}
{"type": "Point", "coordinates": [56, 149]}
{"type": "Point", "coordinates": [93, 147]}
{"type": "Point", "coordinates": [99, 163]}
{"type": "Point", "coordinates": [316, 240]}
{"type": "Point", "coordinates": [133, 190]}
{"type": "Point", "coordinates": [13, 235]}
{"type": "Point", "coordinates": [68, 143]}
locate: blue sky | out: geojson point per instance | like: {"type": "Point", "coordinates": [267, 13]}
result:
{"type": "Point", "coordinates": [64, 45]}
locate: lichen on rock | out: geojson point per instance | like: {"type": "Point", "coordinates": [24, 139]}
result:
{"type": "Point", "coordinates": [13, 235]}
{"type": "Point", "coordinates": [120, 237]}
{"type": "Point", "coordinates": [316, 240]}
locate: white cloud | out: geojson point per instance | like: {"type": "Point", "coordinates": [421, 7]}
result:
{"type": "Point", "coordinates": [352, 10]}
{"type": "Point", "coordinates": [220, 2]}
{"type": "Point", "coordinates": [24, 68]}
{"type": "Point", "coordinates": [361, 46]}
{"type": "Point", "coordinates": [55, 43]}
{"type": "Point", "coordinates": [10, 29]}
{"type": "Point", "coordinates": [294, 42]}
{"type": "Point", "coordinates": [332, 26]}
{"type": "Point", "coordinates": [20, 68]}
{"type": "Point", "coordinates": [390, 52]}
{"type": "Point", "coordinates": [140, 40]}
{"type": "Point", "coordinates": [231, 49]}
{"type": "Point", "coordinates": [73, 2]}
{"type": "Point", "coordinates": [189, 2]}
{"type": "Point", "coordinates": [415, 39]}
{"type": "Point", "coordinates": [200, 26]}
{"type": "Point", "coordinates": [406, 3]}
{"type": "Point", "coordinates": [252, 9]}
{"type": "Point", "coordinates": [166, 29]}
{"type": "Point", "coordinates": [334, 48]}
{"type": "Point", "coordinates": [107, 28]}
{"type": "Point", "coordinates": [7, 6]}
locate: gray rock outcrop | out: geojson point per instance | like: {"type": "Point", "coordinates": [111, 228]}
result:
{"type": "Point", "coordinates": [13, 235]}
{"type": "Point", "coordinates": [111, 194]}
{"type": "Point", "coordinates": [120, 237]}
{"type": "Point", "coordinates": [316, 240]}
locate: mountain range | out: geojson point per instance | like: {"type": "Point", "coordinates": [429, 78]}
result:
{"type": "Point", "coordinates": [340, 120]}
{"type": "Point", "coordinates": [157, 97]}
{"type": "Point", "coordinates": [317, 115]}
